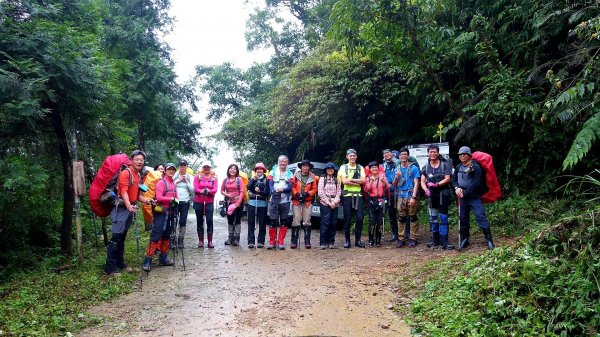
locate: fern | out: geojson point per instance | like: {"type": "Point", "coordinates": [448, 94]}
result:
{"type": "Point", "coordinates": [583, 141]}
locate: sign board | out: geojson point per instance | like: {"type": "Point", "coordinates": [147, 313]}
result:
{"type": "Point", "coordinates": [419, 151]}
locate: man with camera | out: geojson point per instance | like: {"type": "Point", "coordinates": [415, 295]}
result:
{"type": "Point", "coordinates": [406, 182]}
{"type": "Point", "coordinates": [184, 184]}
{"type": "Point", "coordinates": [435, 180]}
{"type": "Point", "coordinates": [377, 189]}
{"type": "Point", "coordinates": [352, 175]}
{"type": "Point", "coordinates": [304, 188]}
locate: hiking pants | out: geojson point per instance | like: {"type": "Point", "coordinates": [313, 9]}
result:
{"type": "Point", "coordinates": [349, 203]}
{"type": "Point", "coordinates": [204, 209]}
{"type": "Point", "coordinates": [375, 220]}
{"type": "Point", "coordinates": [475, 204]}
{"type": "Point", "coordinates": [234, 222]}
{"type": "Point", "coordinates": [184, 210]}
{"type": "Point", "coordinates": [328, 225]}
{"type": "Point", "coordinates": [279, 213]}
{"type": "Point", "coordinates": [301, 215]}
{"type": "Point", "coordinates": [408, 221]}
{"type": "Point", "coordinates": [253, 214]}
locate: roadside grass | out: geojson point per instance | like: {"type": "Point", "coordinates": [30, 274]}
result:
{"type": "Point", "coordinates": [545, 284]}
{"type": "Point", "coordinates": [49, 301]}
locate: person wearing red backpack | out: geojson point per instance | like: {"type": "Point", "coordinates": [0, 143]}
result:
{"type": "Point", "coordinates": [163, 217]}
{"type": "Point", "coordinates": [468, 185]}
{"type": "Point", "coordinates": [124, 211]}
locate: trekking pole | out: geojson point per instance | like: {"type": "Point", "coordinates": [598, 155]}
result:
{"type": "Point", "coordinates": [137, 247]}
{"type": "Point", "coordinates": [459, 238]}
{"type": "Point", "coordinates": [182, 254]}
{"type": "Point", "coordinates": [255, 213]}
{"type": "Point", "coordinates": [95, 230]}
{"type": "Point", "coordinates": [172, 237]}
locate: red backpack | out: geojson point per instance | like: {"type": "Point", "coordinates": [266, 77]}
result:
{"type": "Point", "coordinates": [105, 183]}
{"type": "Point", "coordinates": [486, 162]}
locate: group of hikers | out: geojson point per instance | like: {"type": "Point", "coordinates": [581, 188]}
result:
{"type": "Point", "coordinates": [392, 187]}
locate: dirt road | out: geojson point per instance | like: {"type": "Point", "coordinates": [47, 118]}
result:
{"type": "Point", "coordinates": [237, 291]}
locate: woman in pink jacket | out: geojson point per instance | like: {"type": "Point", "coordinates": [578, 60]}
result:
{"type": "Point", "coordinates": [205, 188]}
{"type": "Point", "coordinates": [163, 219]}
{"type": "Point", "coordinates": [234, 189]}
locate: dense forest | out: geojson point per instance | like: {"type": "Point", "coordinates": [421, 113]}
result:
{"type": "Point", "coordinates": [86, 79]}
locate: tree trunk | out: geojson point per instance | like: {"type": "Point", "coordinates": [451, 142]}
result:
{"type": "Point", "coordinates": [68, 196]}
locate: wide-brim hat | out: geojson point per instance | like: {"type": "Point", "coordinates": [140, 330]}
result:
{"type": "Point", "coordinates": [206, 163]}
{"type": "Point", "coordinates": [306, 162]}
{"type": "Point", "coordinates": [464, 150]}
{"type": "Point", "coordinates": [330, 165]}
{"type": "Point", "coordinates": [260, 166]}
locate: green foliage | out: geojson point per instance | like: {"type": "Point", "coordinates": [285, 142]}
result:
{"type": "Point", "coordinates": [44, 302]}
{"type": "Point", "coordinates": [544, 286]}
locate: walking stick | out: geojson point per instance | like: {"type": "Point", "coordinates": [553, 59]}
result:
{"type": "Point", "coordinates": [179, 229]}
{"type": "Point", "coordinates": [95, 230]}
{"type": "Point", "coordinates": [459, 238]}
{"type": "Point", "coordinates": [255, 214]}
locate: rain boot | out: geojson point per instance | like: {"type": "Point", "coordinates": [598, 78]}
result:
{"type": "Point", "coordinates": [272, 235]}
{"type": "Point", "coordinates": [444, 242]}
{"type": "Point", "coordinates": [201, 240]}
{"type": "Point", "coordinates": [435, 241]}
{"type": "Point", "coordinates": [210, 241]}
{"type": "Point", "coordinates": [464, 240]}
{"type": "Point", "coordinates": [229, 240]}
{"type": "Point", "coordinates": [147, 264]}
{"type": "Point", "coordinates": [295, 235]}
{"type": "Point", "coordinates": [236, 240]}
{"type": "Point", "coordinates": [487, 233]}
{"type": "Point", "coordinates": [111, 258]}
{"type": "Point", "coordinates": [163, 260]}
{"type": "Point", "coordinates": [307, 244]}
{"type": "Point", "coordinates": [281, 238]}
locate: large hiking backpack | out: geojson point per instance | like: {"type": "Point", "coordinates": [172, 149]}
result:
{"type": "Point", "coordinates": [104, 187]}
{"type": "Point", "coordinates": [492, 191]}
{"type": "Point", "coordinates": [151, 179]}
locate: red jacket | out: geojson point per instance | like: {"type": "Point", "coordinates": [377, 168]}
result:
{"type": "Point", "coordinates": [311, 187]}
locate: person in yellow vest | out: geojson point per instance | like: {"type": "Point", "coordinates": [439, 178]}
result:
{"type": "Point", "coordinates": [352, 175]}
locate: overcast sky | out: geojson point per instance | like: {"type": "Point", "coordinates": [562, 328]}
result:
{"type": "Point", "coordinates": [210, 32]}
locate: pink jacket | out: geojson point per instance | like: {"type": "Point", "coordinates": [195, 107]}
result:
{"type": "Point", "coordinates": [200, 183]}
{"type": "Point", "coordinates": [377, 187]}
{"type": "Point", "coordinates": [164, 199]}
{"type": "Point", "coordinates": [235, 189]}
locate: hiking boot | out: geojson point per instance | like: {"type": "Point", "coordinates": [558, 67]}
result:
{"type": "Point", "coordinates": [359, 244]}
{"type": "Point", "coordinates": [347, 245]}
{"type": "Point", "coordinates": [260, 245]}
{"type": "Point", "coordinates": [126, 269]}
{"type": "Point", "coordinates": [250, 245]}
{"type": "Point", "coordinates": [324, 246]}
{"type": "Point", "coordinates": [444, 242]}
{"type": "Point", "coordinates": [400, 244]}
{"type": "Point", "coordinates": [464, 243]}
{"type": "Point", "coordinates": [147, 264]}
{"type": "Point", "coordinates": [180, 243]}
{"type": "Point", "coordinates": [164, 260]}
{"type": "Point", "coordinates": [435, 241]}
{"type": "Point", "coordinates": [487, 233]}
{"type": "Point", "coordinates": [332, 246]}
{"type": "Point", "coordinates": [394, 238]}
{"type": "Point", "coordinates": [295, 235]}
{"type": "Point", "coordinates": [307, 244]}
{"type": "Point", "coordinates": [236, 241]}
{"type": "Point", "coordinates": [229, 240]}
{"type": "Point", "coordinates": [412, 243]}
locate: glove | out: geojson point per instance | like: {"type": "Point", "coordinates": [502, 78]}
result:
{"type": "Point", "coordinates": [432, 185]}
{"type": "Point", "coordinates": [174, 202]}
{"type": "Point", "coordinates": [231, 209]}
{"type": "Point", "coordinates": [298, 196]}
{"type": "Point", "coordinates": [305, 194]}
{"type": "Point", "coordinates": [428, 193]}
